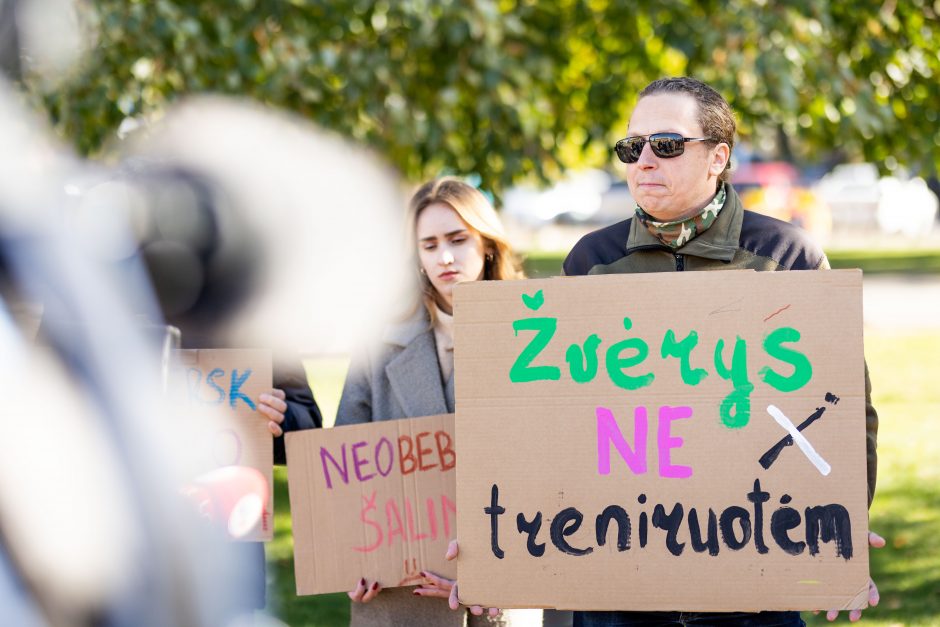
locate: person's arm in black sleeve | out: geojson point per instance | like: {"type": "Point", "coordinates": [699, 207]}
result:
{"type": "Point", "coordinates": [871, 438]}
{"type": "Point", "coordinates": [302, 411]}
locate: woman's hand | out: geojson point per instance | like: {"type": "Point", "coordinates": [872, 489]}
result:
{"type": "Point", "coordinates": [876, 542]}
{"type": "Point", "coordinates": [363, 592]}
{"type": "Point", "coordinates": [271, 406]}
{"type": "Point", "coordinates": [444, 588]}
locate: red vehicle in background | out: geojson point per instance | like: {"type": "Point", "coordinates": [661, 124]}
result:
{"type": "Point", "coordinates": [773, 188]}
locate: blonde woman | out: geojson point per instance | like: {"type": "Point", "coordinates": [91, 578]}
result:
{"type": "Point", "coordinates": [456, 236]}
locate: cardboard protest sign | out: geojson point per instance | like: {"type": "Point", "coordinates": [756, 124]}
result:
{"type": "Point", "coordinates": [374, 500]}
{"type": "Point", "coordinates": [230, 380]}
{"type": "Point", "coordinates": [682, 441]}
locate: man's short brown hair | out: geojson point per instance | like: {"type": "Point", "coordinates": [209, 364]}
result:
{"type": "Point", "coordinates": [715, 115]}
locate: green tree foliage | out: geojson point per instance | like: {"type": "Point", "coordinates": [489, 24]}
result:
{"type": "Point", "coordinates": [518, 88]}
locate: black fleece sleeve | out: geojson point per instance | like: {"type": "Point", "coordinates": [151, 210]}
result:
{"type": "Point", "coordinates": [302, 409]}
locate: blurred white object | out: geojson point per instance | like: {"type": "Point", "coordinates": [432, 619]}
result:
{"type": "Point", "coordinates": [860, 199]}
{"type": "Point", "coordinates": [233, 497]}
{"type": "Point", "coordinates": [94, 530]}
{"type": "Point", "coordinates": [66, 506]}
{"type": "Point", "coordinates": [50, 36]}
{"type": "Point", "coordinates": [851, 191]}
{"type": "Point", "coordinates": [906, 207]}
{"type": "Point", "coordinates": [325, 215]}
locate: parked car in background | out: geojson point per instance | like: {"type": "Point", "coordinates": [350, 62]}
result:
{"type": "Point", "coordinates": [851, 191]}
{"type": "Point", "coordinates": [577, 195]}
{"type": "Point", "coordinates": [588, 197]}
{"type": "Point", "coordinates": [862, 200]}
{"type": "Point", "coordinates": [773, 188]}
{"type": "Point", "coordinates": [616, 204]}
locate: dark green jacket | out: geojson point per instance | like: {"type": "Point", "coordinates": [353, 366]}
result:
{"type": "Point", "coordinates": [738, 240]}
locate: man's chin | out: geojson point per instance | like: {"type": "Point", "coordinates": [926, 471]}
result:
{"type": "Point", "coordinates": [654, 206]}
{"type": "Point", "coordinates": [652, 196]}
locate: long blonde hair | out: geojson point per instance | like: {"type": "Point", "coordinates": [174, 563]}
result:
{"type": "Point", "coordinates": [499, 262]}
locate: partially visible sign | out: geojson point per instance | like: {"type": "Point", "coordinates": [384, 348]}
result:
{"type": "Point", "coordinates": [374, 500]}
{"type": "Point", "coordinates": [230, 381]}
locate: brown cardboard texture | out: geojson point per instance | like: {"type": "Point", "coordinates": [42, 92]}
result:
{"type": "Point", "coordinates": [375, 500]}
{"type": "Point", "coordinates": [228, 382]}
{"type": "Point", "coordinates": [627, 442]}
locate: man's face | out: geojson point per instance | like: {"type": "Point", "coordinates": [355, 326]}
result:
{"type": "Point", "coordinates": [676, 188]}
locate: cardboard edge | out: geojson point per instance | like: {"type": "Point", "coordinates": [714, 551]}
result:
{"type": "Point", "coordinates": [291, 441]}
{"type": "Point", "coordinates": [860, 600]}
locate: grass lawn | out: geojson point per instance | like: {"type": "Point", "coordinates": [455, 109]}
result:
{"type": "Point", "coordinates": [905, 372]}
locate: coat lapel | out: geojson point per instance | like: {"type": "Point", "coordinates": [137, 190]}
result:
{"type": "Point", "coordinates": [449, 394]}
{"type": "Point", "coordinates": [415, 378]}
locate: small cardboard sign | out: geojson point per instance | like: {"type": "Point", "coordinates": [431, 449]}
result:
{"type": "Point", "coordinates": [374, 500]}
{"type": "Point", "coordinates": [682, 441]}
{"type": "Point", "coordinates": [230, 381]}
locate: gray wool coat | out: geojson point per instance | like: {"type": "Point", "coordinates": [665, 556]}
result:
{"type": "Point", "coordinates": [401, 378]}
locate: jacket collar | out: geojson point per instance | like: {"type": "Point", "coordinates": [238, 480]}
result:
{"type": "Point", "coordinates": [404, 332]}
{"type": "Point", "coordinates": [719, 241]}
{"type": "Point", "coordinates": [415, 374]}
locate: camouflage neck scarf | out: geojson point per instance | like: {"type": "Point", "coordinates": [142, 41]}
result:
{"type": "Point", "coordinates": [679, 233]}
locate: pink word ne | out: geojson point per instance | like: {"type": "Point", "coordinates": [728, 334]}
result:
{"type": "Point", "coordinates": [609, 433]}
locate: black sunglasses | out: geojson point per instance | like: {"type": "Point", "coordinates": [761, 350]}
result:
{"type": "Point", "coordinates": [664, 145]}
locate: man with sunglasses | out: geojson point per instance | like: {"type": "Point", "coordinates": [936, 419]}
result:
{"type": "Point", "coordinates": [688, 217]}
